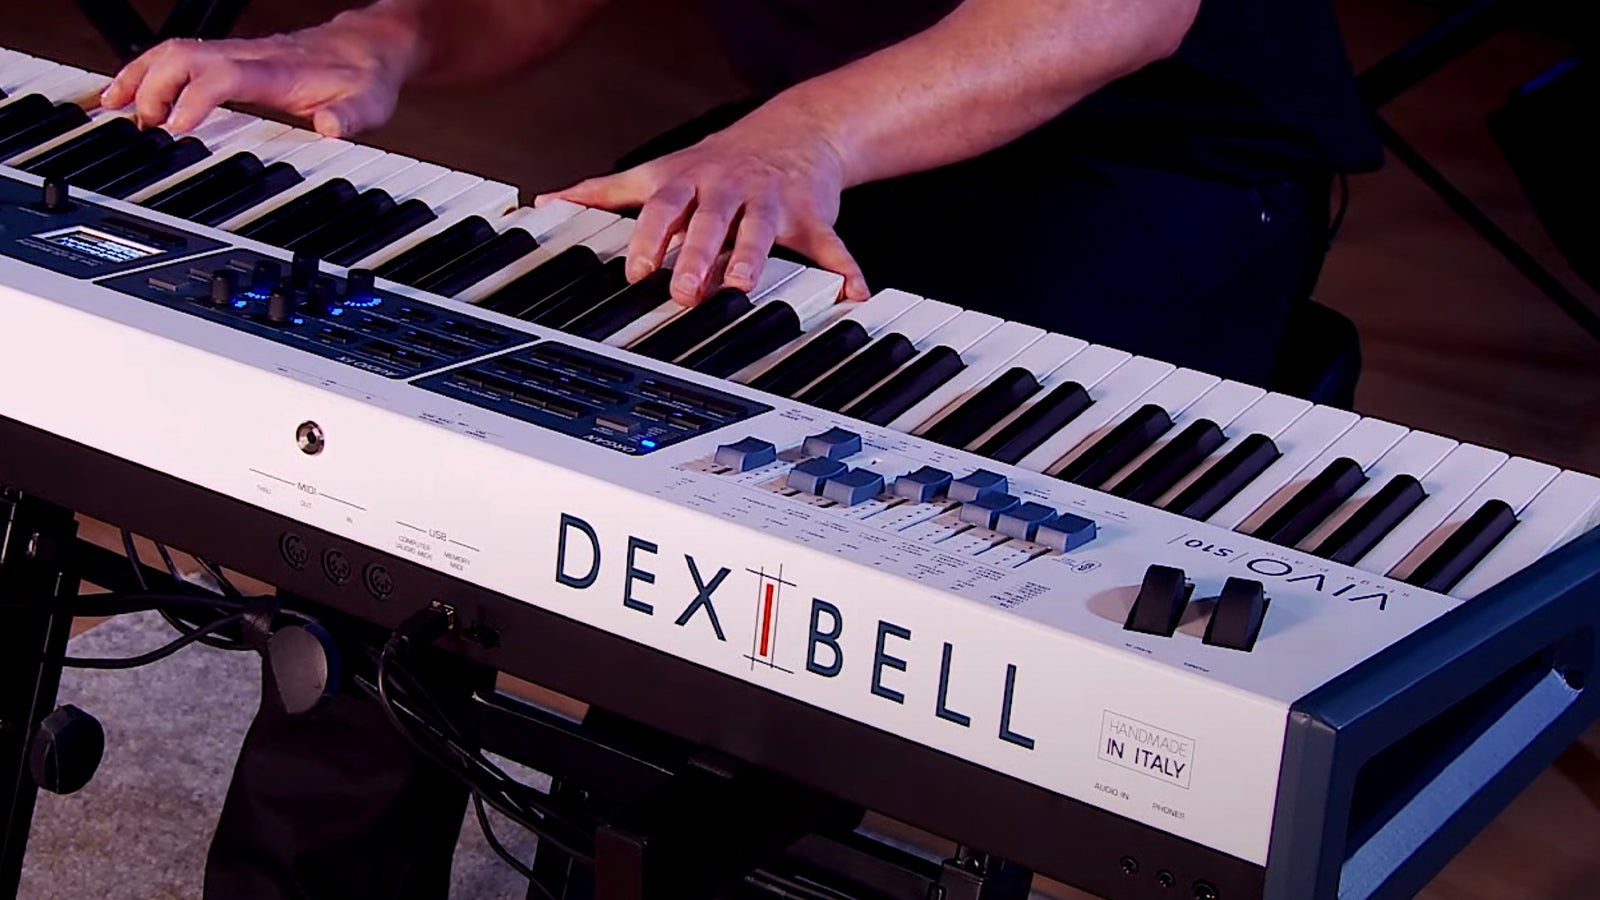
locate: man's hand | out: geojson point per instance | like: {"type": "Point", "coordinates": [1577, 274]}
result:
{"type": "Point", "coordinates": [344, 76]}
{"type": "Point", "coordinates": [771, 178]}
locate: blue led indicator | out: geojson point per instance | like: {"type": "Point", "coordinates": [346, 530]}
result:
{"type": "Point", "coordinates": [240, 304]}
{"type": "Point", "coordinates": [336, 311]}
{"type": "Point", "coordinates": [362, 302]}
{"type": "Point", "coordinates": [648, 444]}
{"type": "Point", "coordinates": [298, 321]}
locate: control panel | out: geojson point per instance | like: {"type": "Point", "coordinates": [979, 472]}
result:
{"type": "Point", "coordinates": [50, 228]}
{"type": "Point", "coordinates": [598, 399]}
{"type": "Point", "coordinates": [347, 319]}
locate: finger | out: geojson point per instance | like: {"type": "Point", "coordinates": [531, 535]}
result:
{"type": "Point", "coordinates": [663, 216]}
{"type": "Point", "coordinates": [826, 249]}
{"type": "Point", "coordinates": [156, 94]}
{"type": "Point", "coordinates": [703, 241]}
{"type": "Point", "coordinates": [623, 190]}
{"type": "Point", "coordinates": [120, 92]}
{"type": "Point", "coordinates": [343, 118]}
{"type": "Point", "coordinates": [204, 93]}
{"type": "Point", "coordinates": [758, 229]}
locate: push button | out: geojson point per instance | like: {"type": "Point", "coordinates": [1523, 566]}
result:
{"type": "Point", "coordinates": [924, 485]}
{"type": "Point", "coordinates": [1024, 520]}
{"type": "Point", "coordinates": [744, 455]}
{"type": "Point", "coordinates": [1159, 606]}
{"type": "Point", "coordinates": [809, 476]}
{"type": "Point", "coordinates": [854, 486]}
{"type": "Point", "coordinates": [977, 484]}
{"type": "Point", "coordinates": [1066, 532]}
{"type": "Point", "coordinates": [1241, 609]}
{"type": "Point", "coordinates": [835, 443]}
{"type": "Point", "coordinates": [986, 510]}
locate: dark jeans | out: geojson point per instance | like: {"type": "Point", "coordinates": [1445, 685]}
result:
{"type": "Point", "coordinates": [1190, 270]}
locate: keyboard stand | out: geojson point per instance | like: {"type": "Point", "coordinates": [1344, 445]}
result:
{"type": "Point", "coordinates": [34, 539]}
{"type": "Point", "coordinates": [128, 34]}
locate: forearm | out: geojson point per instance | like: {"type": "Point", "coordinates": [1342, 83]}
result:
{"type": "Point", "coordinates": [464, 41]}
{"type": "Point", "coordinates": [988, 73]}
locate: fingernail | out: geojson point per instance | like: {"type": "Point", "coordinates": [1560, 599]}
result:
{"type": "Point", "coordinates": [740, 271]}
{"type": "Point", "coordinates": [638, 269]}
{"type": "Point", "coordinates": [685, 284]}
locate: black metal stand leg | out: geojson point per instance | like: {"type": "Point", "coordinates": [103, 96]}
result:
{"type": "Point", "coordinates": [34, 541]}
{"type": "Point", "coordinates": [128, 34]}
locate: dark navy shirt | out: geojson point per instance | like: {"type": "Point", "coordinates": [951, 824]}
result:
{"type": "Point", "coordinates": [1259, 89]}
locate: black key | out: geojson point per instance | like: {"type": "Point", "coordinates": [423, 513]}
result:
{"type": "Point", "coordinates": [206, 187]}
{"type": "Point", "coordinates": [103, 140]}
{"type": "Point", "coordinates": [1118, 447]}
{"type": "Point", "coordinates": [145, 147]}
{"type": "Point", "coordinates": [479, 263]}
{"type": "Point", "coordinates": [24, 113]}
{"type": "Point", "coordinates": [184, 153]}
{"type": "Point", "coordinates": [385, 229]}
{"type": "Point", "coordinates": [1220, 483]}
{"type": "Point", "coordinates": [1375, 519]}
{"type": "Point", "coordinates": [580, 296]}
{"type": "Point", "coordinates": [623, 307]}
{"type": "Point", "coordinates": [859, 372]}
{"type": "Point", "coordinates": [806, 364]}
{"type": "Point", "coordinates": [1065, 402]}
{"type": "Point", "coordinates": [355, 218]}
{"type": "Point", "coordinates": [1167, 466]}
{"type": "Point", "coordinates": [998, 399]}
{"type": "Point", "coordinates": [1465, 547]}
{"type": "Point", "coordinates": [299, 216]}
{"type": "Point", "coordinates": [520, 296]}
{"type": "Point", "coordinates": [908, 387]}
{"type": "Point", "coordinates": [273, 180]}
{"type": "Point", "coordinates": [772, 325]}
{"type": "Point", "coordinates": [437, 250]}
{"type": "Point", "coordinates": [1313, 503]}
{"type": "Point", "coordinates": [689, 330]}
{"type": "Point", "coordinates": [53, 124]}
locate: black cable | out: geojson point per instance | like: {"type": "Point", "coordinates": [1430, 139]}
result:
{"type": "Point", "coordinates": [156, 655]}
{"type": "Point", "coordinates": [215, 571]}
{"type": "Point", "coordinates": [485, 779]}
{"type": "Point", "coordinates": [523, 869]}
{"type": "Point", "coordinates": [166, 559]}
{"type": "Point", "coordinates": [133, 559]}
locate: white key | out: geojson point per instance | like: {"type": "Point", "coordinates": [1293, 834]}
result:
{"type": "Point", "coordinates": [65, 84]}
{"type": "Point", "coordinates": [985, 360]}
{"type": "Point", "coordinates": [1416, 455]}
{"type": "Point", "coordinates": [320, 163]}
{"type": "Point", "coordinates": [248, 139]}
{"type": "Point", "coordinates": [1566, 508]}
{"type": "Point", "coordinates": [1268, 416]}
{"type": "Point", "coordinates": [490, 199]}
{"type": "Point", "coordinates": [1298, 445]}
{"type": "Point", "coordinates": [1109, 397]}
{"type": "Point", "coordinates": [959, 333]}
{"type": "Point", "coordinates": [17, 70]}
{"type": "Point", "coordinates": [217, 127]}
{"type": "Point", "coordinates": [407, 182]}
{"type": "Point", "coordinates": [540, 223]}
{"type": "Point", "coordinates": [1516, 484]}
{"type": "Point", "coordinates": [1364, 443]}
{"type": "Point", "coordinates": [1061, 359]}
{"type": "Point", "coordinates": [1221, 404]}
{"type": "Point", "coordinates": [873, 315]}
{"type": "Point", "coordinates": [1172, 393]}
{"type": "Point", "coordinates": [435, 193]}
{"type": "Point", "coordinates": [1448, 485]}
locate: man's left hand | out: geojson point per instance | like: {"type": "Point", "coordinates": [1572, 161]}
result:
{"type": "Point", "coordinates": [771, 178]}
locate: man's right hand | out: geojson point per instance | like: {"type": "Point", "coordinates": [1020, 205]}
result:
{"type": "Point", "coordinates": [344, 75]}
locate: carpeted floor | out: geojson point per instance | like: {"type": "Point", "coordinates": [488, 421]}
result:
{"type": "Point", "coordinates": [139, 831]}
